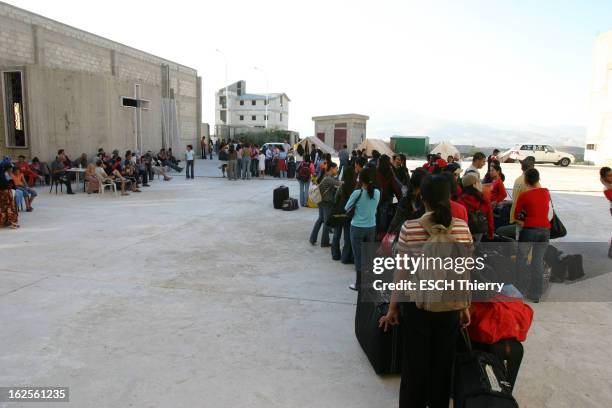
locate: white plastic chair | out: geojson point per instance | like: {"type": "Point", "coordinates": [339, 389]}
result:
{"type": "Point", "coordinates": [103, 186]}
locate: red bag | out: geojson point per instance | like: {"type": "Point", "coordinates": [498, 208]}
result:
{"type": "Point", "coordinates": [502, 318]}
{"type": "Point", "coordinates": [386, 245]}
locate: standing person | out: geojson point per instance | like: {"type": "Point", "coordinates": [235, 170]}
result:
{"type": "Point", "coordinates": [210, 149]}
{"type": "Point", "coordinates": [299, 154]}
{"type": "Point", "coordinates": [513, 230]}
{"type": "Point", "coordinates": [498, 190]}
{"type": "Point", "coordinates": [493, 157]}
{"type": "Point", "coordinates": [246, 162]}
{"type": "Point", "coordinates": [232, 164]}
{"type": "Point", "coordinates": [478, 162]}
{"type": "Point", "coordinates": [480, 212]}
{"type": "Point", "coordinates": [363, 225]}
{"type": "Point", "coordinates": [389, 188]}
{"type": "Point", "coordinates": [411, 205]}
{"type": "Point", "coordinates": [262, 165]}
{"type": "Point", "coordinates": [429, 331]}
{"type": "Point", "coordinates": [8, 210]}
{"type": "Point", "coordinates": [203, 146]}
{"type": "Point", "coordinates": [349, 182]}
{"type": "Point", "coordinates": [533, 213]}
{"type": "Point", "coordinates": [254, 161]}
{"type": "Point", "coordinates": [189, 160]}
{"type": "Point", "coordinates": [327, 187]}
{"type": "Point", "coordinates": [281, 165]}
{"type": "Point", "coordinates": [304, 173]}
{"type": "Point", "coordinates": [269, 158]}
{"type": "Point", "coordinates": [605, 176]}
{"type": "Point", "coordinates": [343, 156]}
{"type": "Point", "coordinates": [239, 161]}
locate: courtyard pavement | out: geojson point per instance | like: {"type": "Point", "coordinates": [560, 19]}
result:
{"type": "Point", "coordinates": [200, 294]}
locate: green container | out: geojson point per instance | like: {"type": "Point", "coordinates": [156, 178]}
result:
{"type": "Point", "coordinates": [411, 146]}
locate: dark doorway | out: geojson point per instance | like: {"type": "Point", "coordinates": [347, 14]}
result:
{"type": "Point", "coordinates": [12, 85]}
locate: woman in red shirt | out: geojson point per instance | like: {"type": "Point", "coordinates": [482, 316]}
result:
{"type": "Point", "coordinates": [475, 203]}
{"type": "Point", "coordinates": [605, 174]}
{"type": "Point", "coordinates": [532, 213]}
{"type": "Point", "coordinates": [498, 190]}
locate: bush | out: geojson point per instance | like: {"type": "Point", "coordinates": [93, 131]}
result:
{"type": "Point", "coordinates": [264, 136]}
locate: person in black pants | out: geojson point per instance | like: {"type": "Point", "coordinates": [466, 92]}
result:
{"type": "Point", "coordinates": [58, 170]}
{"type": "Point", "coordinates": [189, 160]}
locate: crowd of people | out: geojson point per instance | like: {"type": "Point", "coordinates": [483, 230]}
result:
{"type": "Point", "coordinates": [127, 173]}
{"type": "Point", "coordinates": [382, 201]}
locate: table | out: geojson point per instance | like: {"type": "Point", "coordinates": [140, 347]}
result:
{"type": "Point", "coordinates": [78, 171]}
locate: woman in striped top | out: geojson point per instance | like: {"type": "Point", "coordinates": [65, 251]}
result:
{"type": "Point", "coordinates": [429, 338]}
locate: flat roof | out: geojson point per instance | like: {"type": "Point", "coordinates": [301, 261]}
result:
{"type": "Point", "coordinates": [343, 116]}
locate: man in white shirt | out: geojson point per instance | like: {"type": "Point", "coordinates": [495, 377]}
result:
{"type": "Point", "coordinates": [478, 162]}
{"type": "Point", "coordinates": [189, 159]}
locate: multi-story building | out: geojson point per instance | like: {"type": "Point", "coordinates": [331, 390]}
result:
{"type": "Point", "coordinates": [339, 130]}
{"type": "Point", "coordinates": [598, 147]}
{"type": "Point", "coordinates": [239, 111]}
{"type": "Point", "coordinates": [65, 88]}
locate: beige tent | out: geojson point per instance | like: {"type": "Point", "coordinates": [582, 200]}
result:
{"type": "Point", "coordinates": [376, 144]}
{"type": "Point", "coordinates": [446, 149]}
{"type": "Point", "coordinates": [313, 140]}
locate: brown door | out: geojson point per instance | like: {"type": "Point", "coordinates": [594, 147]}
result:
{"type": "Point", "coordinates": [339, 138]}
{"type": "Point", "coordinates": [321, 137]}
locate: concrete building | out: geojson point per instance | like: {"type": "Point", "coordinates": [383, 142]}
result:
{"type": "Point", "coordinates": [241, 112]}
{"type": "Point", "coordinates": [338, 130]}
{"type": "Point", "coordinates": [66, 88]}
{"type": "Point", "coordinates": [598, 147]}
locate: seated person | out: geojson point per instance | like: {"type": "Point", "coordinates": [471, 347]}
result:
{"type": "Point", "coordinates": [124, 174]}
{"type": "Point", "coordinates": [91, 179]}
{"type": "Point", "coordinates": [27, 171]}
{"type": "Point", "coordinates": [157, 168]}
{"type": "Point", "coordinates": [58, 170]}
{"type": "Point", "coordinates": [107, 175]}
{"type": "Point", "coordinates": [19, 183]}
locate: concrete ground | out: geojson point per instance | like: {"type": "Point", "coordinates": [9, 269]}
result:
{"type": "Point", "coordinates": [200, 294]}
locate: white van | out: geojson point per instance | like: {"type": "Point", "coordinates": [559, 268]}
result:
{"type": "Point", "coordinates": [285, 146]}
{"type": "Point", "coordinates": [542, 153]}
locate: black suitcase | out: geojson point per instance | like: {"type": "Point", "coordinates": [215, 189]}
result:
{"type": "Point", "coordinates": [290, 204]}
{"type": "Point", "coordinates": [509, 352]}
{"type": "Point", "coordinates": [575, 269]}
{"type": "Point", "coordinates": [280, 194]}
{"type": "Point", "coordinates": [501, 214]}
{"type": "Point", "coordinates": [558, 266]}
{"type": "Point", "coordinates": [291, 170]}
{"type": "Point", "coordinates": [383, 349]}
{"type": "Point", "coordinates": [480, 380]}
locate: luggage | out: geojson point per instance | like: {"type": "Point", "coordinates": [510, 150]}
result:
{"type": "Point", "coordinates": [510, 354]}
{"type": "Point", "coordinates": [314, 194]}
{"type": "Point", "coordinates": [291, 169]}
{"type": "Point", "coordinates": [280, 194]}
{"type": "Point", "coordinates": [501, 214]}
{"type": "Point", "coordinates": [290, 204]}
{"type": "Point", "coordinates": [502, 318]}
{"type": "Point", "coordinates": [553, 258]}
{"type": "Point", "coordinates": [383, 349]}
{"type": "Point", "coordinates": [480, 380]}
{"type": "Point", "coordinates": [575, 270]}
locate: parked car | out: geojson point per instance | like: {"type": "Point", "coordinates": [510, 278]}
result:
{"type": "Point", "coordinates": [542, 153]}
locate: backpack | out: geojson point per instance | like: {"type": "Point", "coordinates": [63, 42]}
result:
{"type": "Point", "coordinates": [441, 245]}
{"type": "Point", "coordinates": [477, 221]}
{"type": "Point", "coordinates": [303, 172]}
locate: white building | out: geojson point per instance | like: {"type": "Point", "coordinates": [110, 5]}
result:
{"type": "Point", "coordinates": [598, 147]}
{"type": "Point", "coordinates": [339, 130]}
{"type": "Point", "coordinates": [243, 111]}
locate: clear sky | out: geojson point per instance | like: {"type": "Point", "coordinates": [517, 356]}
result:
{"type": "Point", "coordinates": [497, 62]}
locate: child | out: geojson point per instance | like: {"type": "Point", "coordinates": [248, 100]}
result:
{"type": "Point", "coordinates": [189, 160]}
{"type": "Point", "coordinates": [605, 176]}
{"type": "Point", "coordinates": [20, 184]}
{"type": "Point", "coordinates": [262, 164]}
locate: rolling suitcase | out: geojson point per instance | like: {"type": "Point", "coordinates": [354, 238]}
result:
{"type": "Point", "coordinates": [280, 194]}
{"type": "Point", "coordinates": [575, 269]}
{"type": "Point", "coordinates": [383, 349]}
{"type": "Point", "coordinates": [290, 204]}
{"type": "Point", "coordinates": [509, 352]}
{"type": "Point", "coordinates": [480, 380]}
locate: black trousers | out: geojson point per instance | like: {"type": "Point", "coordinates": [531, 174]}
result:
{"type": "Point", "coordinates": [428, 353]}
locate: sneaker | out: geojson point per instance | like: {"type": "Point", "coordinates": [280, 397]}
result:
{"type": "Point", "coordinates": [353, 286]}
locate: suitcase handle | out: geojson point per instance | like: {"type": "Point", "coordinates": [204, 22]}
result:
{"type": "Point", "coordinates": [466, 338]}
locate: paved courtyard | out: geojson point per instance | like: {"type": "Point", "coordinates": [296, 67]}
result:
{"type": "Point", "coordinates": [200, 294]}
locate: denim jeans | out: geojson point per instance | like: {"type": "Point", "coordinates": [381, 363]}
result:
{"type": "Point", "coordinates": [324, 210]}
{"type": "Point", "coordinates": [346, 255]}
{"type": "Point", "coordinates": [246, 168]}
{"type": "Point", "coordinates": [530, 278]}
{"type": "Point", "coordinates": [188, 173]}
{"type": "Point", "coordinates": [304, 186]}
{"type": "Point", "coordinates": [359, 235]}
{"type": "Point", "coordinates": [238, 167]}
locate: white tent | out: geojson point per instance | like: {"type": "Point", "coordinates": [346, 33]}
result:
{"type": "Point", "coordinates": [376, 144]}
{"type": "Point", "coordinates": [313, 140]}
{"type": "Point", "coordinates": [446, 149]}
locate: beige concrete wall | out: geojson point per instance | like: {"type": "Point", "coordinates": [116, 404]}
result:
{"type": "Point", "coordinates": [74, 81]}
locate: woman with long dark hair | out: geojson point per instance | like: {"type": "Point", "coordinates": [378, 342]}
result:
{"type": "Point", "coordinates": [363, 225]}
{"type": "Point", "coordinates": [349, 180]}
{"type": "Point", "coordinates": [411, 205]}
{"type": "Point", "coordinates": [385, 180]}
{"type": "Point", "coordinates": [498, 190]}
{"type": "Point", "coordinates": [429, 337]}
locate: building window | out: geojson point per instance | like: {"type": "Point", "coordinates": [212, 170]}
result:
{"type": "Point", "coordinates": [14, 112]}
{"type": "Point", "coordinates": [340, 125]}
{"type": "Point", "coordinates": [281, 117]}
{"type": "Point", "coordinates": [265, 117]}
{"type": "Point", "coordinates": [241, 117]}
{"type": "Point", "coordinates": [135, 103]}
{"type": "Point", "coordinates": [253, 102]}
{"type": "Point", "coordinates": [241, 103]}
{"type": "Point", "coordinates": [253, 117]}
{"type": "Point", "coordinates": [591, 146]}
{"type": "Point", "coordinates": [266, 101]}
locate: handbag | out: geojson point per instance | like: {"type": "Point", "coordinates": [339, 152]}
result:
{"type": "Point", "coordinates": [338, 216]}
{"type": "Point", "coordinates": [557, 229]}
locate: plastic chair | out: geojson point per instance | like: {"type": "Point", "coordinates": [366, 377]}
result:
{"type": "Point", "coordinates": [103, 186]}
